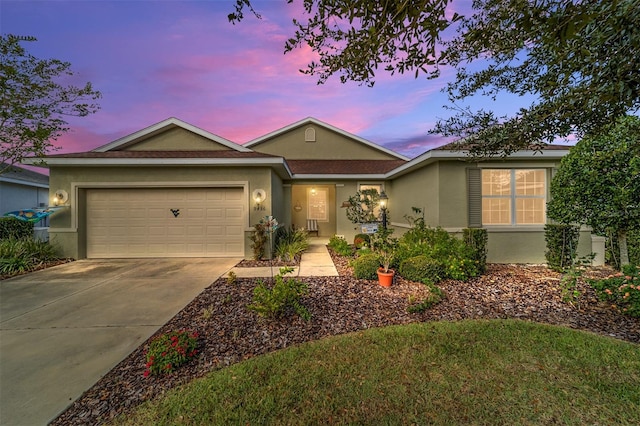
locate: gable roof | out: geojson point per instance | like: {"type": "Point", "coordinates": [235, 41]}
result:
{"type": "Point", "coordinates": [163, 126]}
{"type": "Point", "coordinates": [311, 120]}
{"type": "Point", "coordinates": [316, 168]}
{"type": "Point", "coordinates": [453, 152]}
{"type": "Point", "coordinates": [22, 176]}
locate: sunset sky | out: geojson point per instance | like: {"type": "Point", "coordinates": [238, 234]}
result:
{"type": "Point", "coordinates": [158, 59]}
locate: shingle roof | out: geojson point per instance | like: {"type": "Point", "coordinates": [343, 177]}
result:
{"type": "Point", "coordinates": [340, 167]}
{"type": "Point", "coordinates": [165, 154]}
{"type": "Point", "coordinates": [18, 173]}
{"type": "Point", "coordinates": [454, 146]}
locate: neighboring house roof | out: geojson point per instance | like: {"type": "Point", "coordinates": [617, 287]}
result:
{"type": "Point", "coordinates": [311, 120]}
{"type": "Point", "coordinates": [163, 126]}
{"type": "Point", "coordinates": [20, 175]}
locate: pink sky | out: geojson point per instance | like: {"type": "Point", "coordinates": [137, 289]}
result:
{"type": "Point", "coordinates": [158, 59]}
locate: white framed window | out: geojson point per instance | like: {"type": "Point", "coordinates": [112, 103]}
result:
{"type": "Point", "coordinates": [318, 204]}
{"type": "Point", "coordinates": [514, 197]}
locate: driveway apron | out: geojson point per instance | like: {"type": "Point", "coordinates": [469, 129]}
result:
{"type": "Point", "coordinates": [63, 328]}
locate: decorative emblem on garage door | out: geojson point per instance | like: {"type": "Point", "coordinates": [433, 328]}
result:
{"type": "Point", "coordinates": [176, 212]}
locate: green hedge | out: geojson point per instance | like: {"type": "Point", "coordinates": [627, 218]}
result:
{"type": "Point", "coordinates": [562, 245]}
{"type": "Point", "coordinates": [422, 269]}
{"type": "Point", "coordinates": [365, 267]}
{"type": "Point", "coordinates": [476, 239]}
{"type": "Point", "coordinates": [11, 227]}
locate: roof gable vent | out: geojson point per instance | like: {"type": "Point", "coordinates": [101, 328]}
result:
{"type": "Point", "coordinates": [310, 134]}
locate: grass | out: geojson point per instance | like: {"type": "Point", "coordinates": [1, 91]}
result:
{"type": "Point", "coordinates": [469, 372]}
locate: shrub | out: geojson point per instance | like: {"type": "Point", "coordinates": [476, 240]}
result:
{"type": "Point", "coordinates": [458, 260]}
{"type": "Point", "coordinates": [421, 268]}
{"type": "Point", "coordinates": [622, 289]}
{"type": "Point", "coordinates": [12, 228]}
{"type": "Point", "coordinates": [562, 245]}
{"type": "Point", "coordinates": [361, 240]}
{"type": "Point", "coordinates": [365, 267]}
{"type": "Point", "coordinates": [23, 255]}
{"type": "Point", "coordinates": [340, 246]}
{"type": "Point", "coordinates": [291, 243]}
{"type": "Point", "coordinates": [258, 241]}
{"type": "Point", "coordinates": [274, 302]}
{"type": "Point", "coordinates": [170, 351]}
{"type": "Point", "coordinates": [434, 298]}
{"type": "Point", "coordinates": [476, 239]}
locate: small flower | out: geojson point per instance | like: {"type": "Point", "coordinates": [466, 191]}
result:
{"type": "Point", "coordinates": [146, 373]}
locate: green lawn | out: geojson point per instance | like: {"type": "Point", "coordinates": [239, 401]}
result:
{"type": "Point", "coordinates": [470, 372]}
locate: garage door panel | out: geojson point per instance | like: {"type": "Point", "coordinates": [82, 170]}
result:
{"type": "Point", "coordinates": [139, 222]}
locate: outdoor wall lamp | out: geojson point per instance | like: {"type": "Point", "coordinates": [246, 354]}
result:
{"type": "Point", "coordinates": [259, 195]}
{"type": "Point", "coordinates": [60, 197]}
{"type": "Point", "coordinates": [384, 199]}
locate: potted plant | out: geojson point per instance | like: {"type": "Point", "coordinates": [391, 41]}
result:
{"type": "Point", "coordinates": [384, 246]}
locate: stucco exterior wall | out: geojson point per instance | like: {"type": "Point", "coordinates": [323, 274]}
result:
{"type": "Point", "coordinates": [417, 189]}
{"type": "Point", "coordinates": [176, 139]}
{"type": "Point", "coordinates": [69, 225]}
{"type": "Point", "coordinates": [328, 145]}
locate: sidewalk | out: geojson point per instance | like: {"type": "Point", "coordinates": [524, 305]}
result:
{"type": "Point", "coordinates": [315, 262]}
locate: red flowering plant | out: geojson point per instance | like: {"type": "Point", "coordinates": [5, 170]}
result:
{"type": "Point", "coordinates": [622, 289]}
{"type": "Point", "coordinates": [170, 350]}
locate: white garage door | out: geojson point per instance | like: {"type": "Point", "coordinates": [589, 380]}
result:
{"type": "Point", "coordinates": [165, 222]}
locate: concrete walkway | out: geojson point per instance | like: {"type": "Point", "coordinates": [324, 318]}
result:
{"type": "Point", "coordinates": [315, 262]}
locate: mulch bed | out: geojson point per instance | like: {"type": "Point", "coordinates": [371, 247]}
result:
{"type": "Point", "coordinates": [229, 333]}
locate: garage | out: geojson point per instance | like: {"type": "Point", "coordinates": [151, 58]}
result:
{"type": "Point", "coordinates": [165, 222]}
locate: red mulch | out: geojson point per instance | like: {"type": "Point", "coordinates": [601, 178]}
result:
{"type": "Point", "coordinates": [230, 333]}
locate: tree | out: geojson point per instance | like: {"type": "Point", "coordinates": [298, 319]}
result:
{"type": "Point", "coordinates": [598, 183]}
{"type": "Point", "coordinates": [578, 57]}
{"type": "Point", "coordinates": [34, 102]}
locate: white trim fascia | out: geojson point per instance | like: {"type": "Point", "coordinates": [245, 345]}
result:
{"type": "Point", "coordinates": [434, 155]}
{"type": "Point", "coordinates": [339, 177]}
{"type": "Point", "coordinates": [24, 182]}
{"type": "Point", "coordinates": [311, 120]}
{"type": "Point", "coordinates": [169, 123]}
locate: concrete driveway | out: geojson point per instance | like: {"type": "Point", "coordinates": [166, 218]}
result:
{"type": "Point", "coordinates": [63, 328]}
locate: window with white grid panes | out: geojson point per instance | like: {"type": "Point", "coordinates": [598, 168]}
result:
{"type": "Point", "coordinates": [514, 197]}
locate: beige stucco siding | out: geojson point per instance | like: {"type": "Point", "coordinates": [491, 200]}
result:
{"type": "Point", "coordinates": [176, 139]}
{"type": "Point", "coordinates": [328, 145]}
{"type": "Point", "coordinates": [418, 189]}
{"type": "Point", "coordinates": [68, 227]}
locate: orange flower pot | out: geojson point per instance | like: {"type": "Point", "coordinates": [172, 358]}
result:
{"type": "Point", "coordinates": [385, 278]}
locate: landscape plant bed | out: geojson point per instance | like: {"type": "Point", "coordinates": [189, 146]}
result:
{"type": "Point", "coordinates": [230, 333]}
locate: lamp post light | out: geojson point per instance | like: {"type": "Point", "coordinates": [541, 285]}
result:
{"type": "Point", "coordinates": [383, 205]}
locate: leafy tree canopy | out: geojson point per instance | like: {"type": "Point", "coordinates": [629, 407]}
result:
{"type": "Point", "coordinates": [598, 182]}
{"type": "Point", "coordinates": [34, 101]}
{"type": "Point", "coordinates": [578, 57]}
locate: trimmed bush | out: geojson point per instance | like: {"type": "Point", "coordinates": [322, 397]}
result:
{"type": "Point", "coordinates": [366, 266]}
{"type": "Point", "coordinates": [457, 259]}
{"type": "Point", "coordinates": [476, 239]}
{"type": "Point", "coordinates": [562, 245]}
{"type": "Point", "coordinates": [422, 269]}
{"type": "Point", "coordinates": [340, 246]}
{"type": "Point", "coordinates": [10, 227]}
